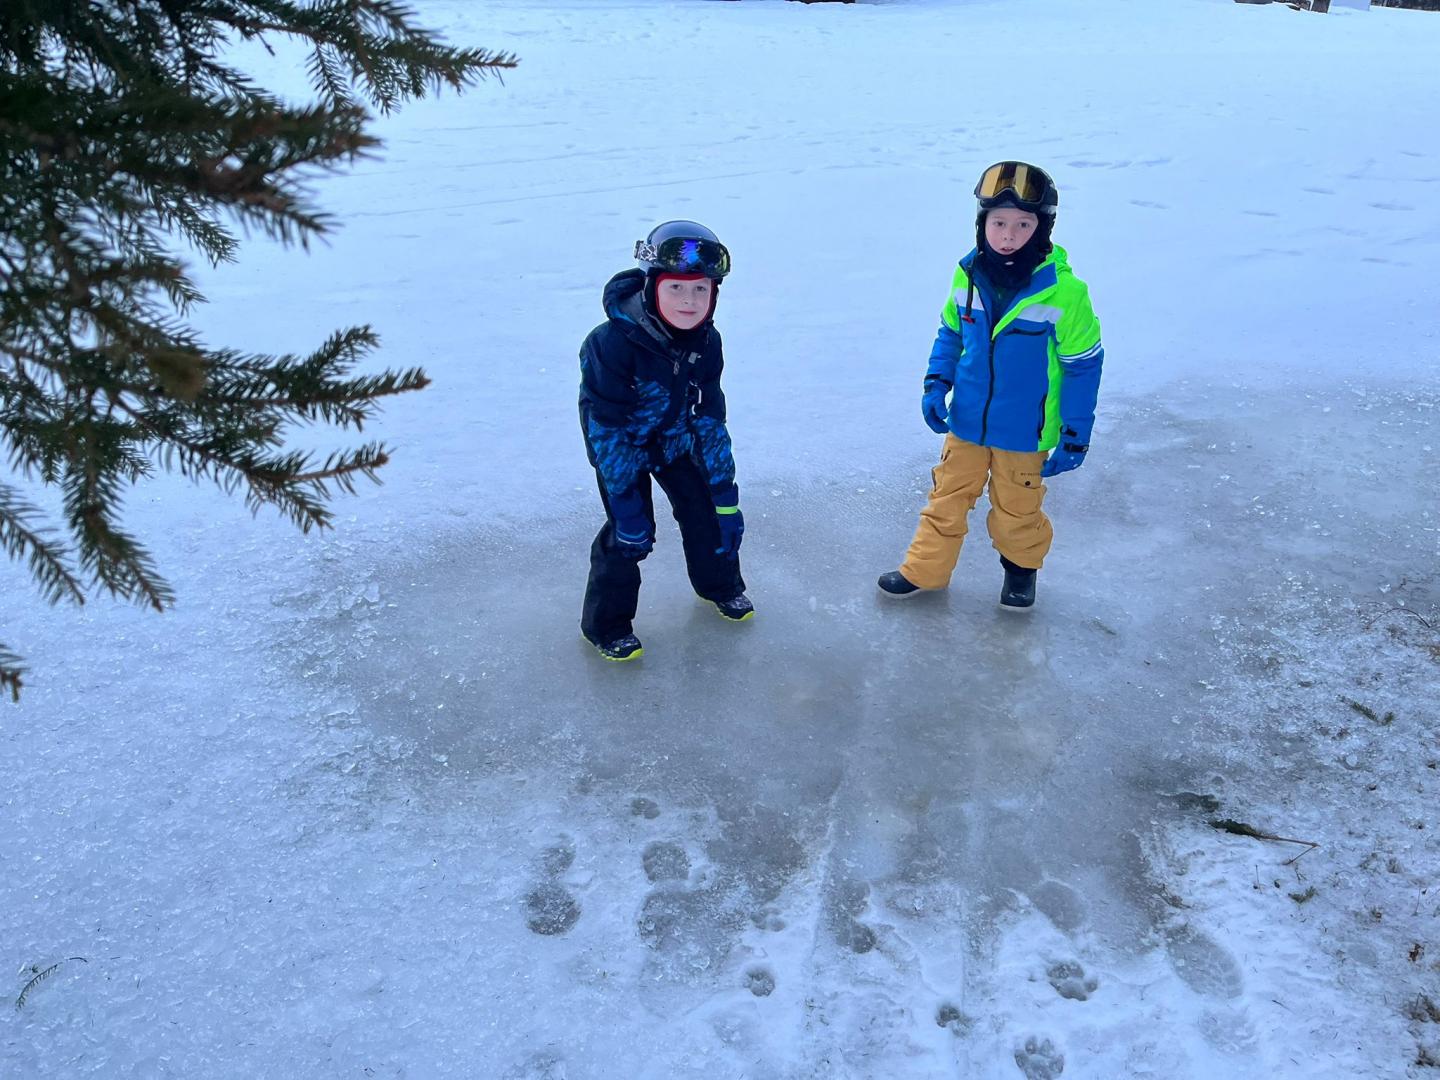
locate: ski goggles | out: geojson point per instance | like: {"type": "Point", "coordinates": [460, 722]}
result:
{"type": "Point", "coordinates": [1028, 185]}
{"type": "Point", "coordinates": [686, 255]}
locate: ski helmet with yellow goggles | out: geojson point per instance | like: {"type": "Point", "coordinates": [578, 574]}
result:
{"type": "Point", "coordinates": [1015, 183]}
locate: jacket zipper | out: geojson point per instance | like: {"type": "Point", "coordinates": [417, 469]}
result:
{"type": "Point", "coordinates": [990, 394]}
{"type": "Point", "coordinates": [678, 401]}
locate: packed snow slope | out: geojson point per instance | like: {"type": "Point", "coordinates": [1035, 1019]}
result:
{"type": "Point", "coordinates": [364, 804]}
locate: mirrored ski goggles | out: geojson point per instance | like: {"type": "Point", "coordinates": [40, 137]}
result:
{"type": "Point", "coordinates": [1024, 183]}
{"type": "Point", "coordinates": [683, 255]}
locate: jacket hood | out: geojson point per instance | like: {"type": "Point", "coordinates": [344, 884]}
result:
{"type": "Point", "coordinates": [625, 303]}
{"type": "Point", "coordinates": [624, 285]}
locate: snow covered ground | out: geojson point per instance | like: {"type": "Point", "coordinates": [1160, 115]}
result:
{"type": "Point", "coordinates": [365, 805]}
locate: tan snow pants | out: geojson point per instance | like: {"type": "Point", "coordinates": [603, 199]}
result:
{"type": "Point", "coordinates": [1018, 527]}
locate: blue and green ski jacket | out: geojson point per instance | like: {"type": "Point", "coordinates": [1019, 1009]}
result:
{"type": "Point", "coordinates": [1019, 379]}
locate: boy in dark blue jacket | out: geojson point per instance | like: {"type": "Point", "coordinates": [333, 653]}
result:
{"type": "Point", "coordinates": [651, 405]}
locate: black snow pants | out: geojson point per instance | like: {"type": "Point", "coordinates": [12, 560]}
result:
{"type": "Point", "coordinates": [613, 591]}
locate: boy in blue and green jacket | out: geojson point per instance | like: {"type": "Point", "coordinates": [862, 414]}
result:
{"type": "Point", "coordinates": [1018, 357]}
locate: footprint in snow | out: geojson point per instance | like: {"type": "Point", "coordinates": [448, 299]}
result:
{"type": "Point", "coordinates": [550, 909]}
{"type": "Point", "coordinates": [643, 807]}
{"type": "Point", "coordinates": [760, 982]}
{"type": "Point", "coordinates": [689, 931]}
{"type": "Point", "coordinates": [1069, 980]}
{"type": "Point", "coordinates": [539, 1066]}
{"type": "Point", "coordinates": [1039, 1060]}
{"type": "Point", "coordinates": [665, 860]}
{"type": "Point", "coordinates": [558, 857]}
{"type": "Point", "coordinates": [1059, 903]}
{"type": "Point", "coordinates": [855, 936]}
{"type": "Point", "coordinates": [949, 1017]}
{"type": "Point", "coordinates": [1203, 964]}
{"type": "Point", "coordinates": [849, 899]}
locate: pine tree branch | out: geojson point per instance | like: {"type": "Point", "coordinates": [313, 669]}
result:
{"type": "Point", "coordinates": [47, 559]}
{"type": "Point", "coordinates": [342, 468]}
{"type": "Point", "coordinates": [112, 557]}
{"type": "Point", "coordinates": [10, 673]}
{"type": "Point", "coordinates": [125, 131]}
{"type": "Point", "coordinates": [343, 407]}
{"type": "Point", "coordinates": [271, 481]}
{"type": "Point", "coordinates": [391, 58]}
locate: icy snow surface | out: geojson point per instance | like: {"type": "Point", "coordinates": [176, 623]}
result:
{"type": "Point", "coordinates": [365, 805]}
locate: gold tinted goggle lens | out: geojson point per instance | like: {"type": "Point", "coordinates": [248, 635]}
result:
{"type": "Point", "coordinates": [1026, 181]}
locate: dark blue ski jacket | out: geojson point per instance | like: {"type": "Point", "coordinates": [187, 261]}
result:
{"type": "Point", "coordinates": [646, 400]}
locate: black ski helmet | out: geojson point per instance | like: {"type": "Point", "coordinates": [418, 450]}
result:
{"type": "Point", "coordinates": [682, 247]}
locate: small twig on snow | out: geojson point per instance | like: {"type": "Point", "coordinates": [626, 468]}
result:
{"type": "Point", "coordinates": [1239, 828]}
{"type": "Point", "coordinates": [1386, 609]}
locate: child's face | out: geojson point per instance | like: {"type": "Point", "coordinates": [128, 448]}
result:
{"type": "Point", "coordinates": [684, 302]}
{"type": "Point", "coordinates": [1008, 230]}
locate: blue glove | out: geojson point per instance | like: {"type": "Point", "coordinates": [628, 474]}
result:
{"type": "Point", "coordinates": [732, 528]}
{"type": "Point", "coordinates": [933, 407]}
{"type": "Point", "coordinates": [1070, 454]}
{"type": "Point", "coordinates": [632, 528]}
{"type": "Point", "coordinates": [731, 521]}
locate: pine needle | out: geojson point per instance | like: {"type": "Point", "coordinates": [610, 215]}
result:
{"type": "Point", "coordinates": [41, 976]}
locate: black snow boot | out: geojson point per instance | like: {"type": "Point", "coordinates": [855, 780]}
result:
{"type": "Point", "coordinates": [1018, 593]}
{"type": "Point", "coordinates": [736, 609]}
{"type": "Point", "coordinates": [893, 583]}
{"type": "Point", "coordinates": [626, 647]}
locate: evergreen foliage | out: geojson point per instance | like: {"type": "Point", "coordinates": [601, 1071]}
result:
{"type": "Point", "coordinates": [125, 134]}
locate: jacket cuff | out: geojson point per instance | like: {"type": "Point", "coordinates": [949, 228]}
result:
{"type": "Point", "coordinates": [628, 503]}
